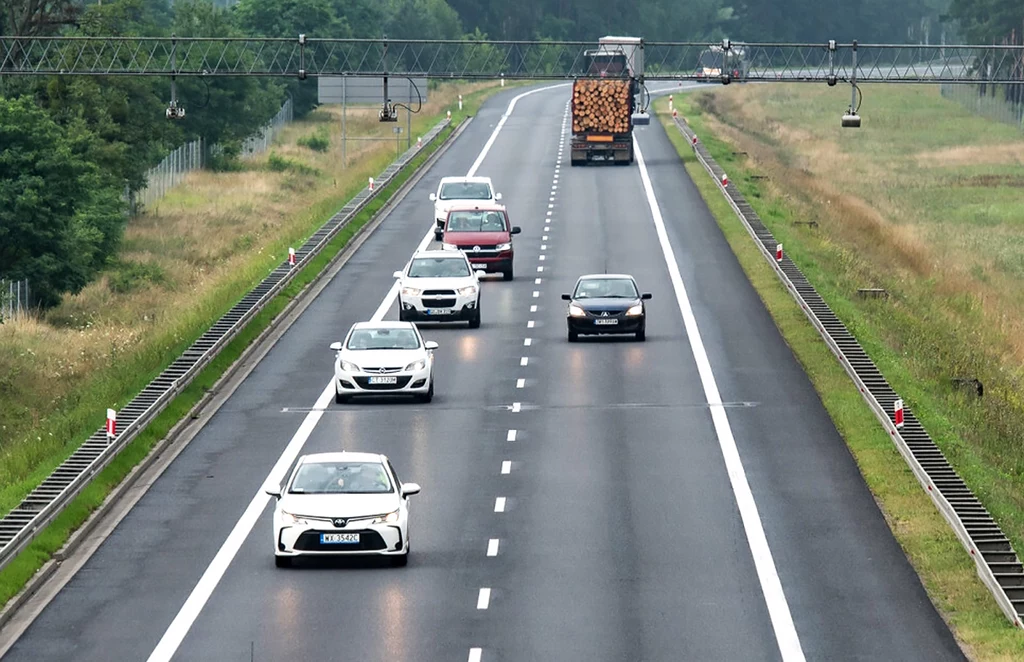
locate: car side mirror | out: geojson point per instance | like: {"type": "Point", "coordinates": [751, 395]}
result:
{"type": "Point", "coordinates": [273, 489]}
{"type": "Point", "coordinates": [566, 297]}
{"type": "Point", "coordinates": [497, 196]}
{"type": "Point", "coordinates": [516, 229]}
{"type": "Point", "coordinates": [397, 274]}
{"type": "Point", "coordinates": [645, 296]}
{"type": "Point", "coordinates": [430, 344]}
{"type": "Point", "coordinates": [433, 197]}
{"type": "Point", "coordinates": [336, 346]}
{"type": "Point", "coordinates": [479, 273]}
{"type": "Point", "coordinates": [408, 489]}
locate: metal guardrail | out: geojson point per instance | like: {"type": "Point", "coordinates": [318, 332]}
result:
{"type": "Point", "coordinates": [45, 502]}
{"type": "Point", "coordinates": [997, 563]}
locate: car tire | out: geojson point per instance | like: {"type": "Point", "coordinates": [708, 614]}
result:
{"type": "Point", "coordinates": [474, 321]}
{"type": "Point", "coordinates": [641, 333]}
{"type": "Point", "coordinates": [340, 399]}
{"type": "Point", "coordinates": [508, 275]}
{"type": "Point", "coordinates": [438, 235]}
{"type": "Point", "coordinates": [400, 561]}
{"type": "Point", "coordinates": [282, 561]}
{"type": "Point", "coordinates": [573, 336]}
{"type": "Point", "coordinates": [429, 395]}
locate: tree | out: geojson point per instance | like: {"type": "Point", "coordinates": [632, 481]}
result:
{"type": "Point", "coordinates": [30, 18]}
{"type": "Point", "coordinates": [59, 216]}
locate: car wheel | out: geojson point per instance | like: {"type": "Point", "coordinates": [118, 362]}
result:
{"type": "Point", "coordinates": [641, 333]}
{"type": "Point", "coordinates": [429, 395]}
{"type": "Point", "coordinates": [438, 235]}
{"type": "Point", "coordinates": [474, 321]}
{"type": "Point", "coordinates": [283, 561]}
{"type": "Point", "coordinates": [508, 275]}
{"type": "Point", "coordinates": [340, 399]}
{"type": "Point", "coordinates": [573, 336]}
{"type": "Point", "coordinates": [400, 561]}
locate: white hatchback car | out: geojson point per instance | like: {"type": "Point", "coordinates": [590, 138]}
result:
{"type": "Point", "coordinates": [342, 504]}
{"type": "Point", "coordinates": [384, 358]}
{"type": "Point", "coordinates": [439, 286]}
{"type": "Point", "coordinates": [460, 191]}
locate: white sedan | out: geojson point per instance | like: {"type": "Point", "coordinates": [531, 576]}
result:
{"type": "Point", "coordinates": [384, 358]}
{"type": "Point", "coordinates": [439, 286]}
{"type": "Point", "coordinates": [342, 504]}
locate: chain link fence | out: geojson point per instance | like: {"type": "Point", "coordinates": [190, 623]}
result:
{"type": "Point", "coordinates": [994, 102]}
{"type": "Point", "coordinates": [193, 156]}
{"type": "Point", "coordinates": [15, 298]}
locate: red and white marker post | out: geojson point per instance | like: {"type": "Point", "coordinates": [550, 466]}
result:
{"type": "Point", "coordinates": [725, 179]}
{"type": "Point", "coordinates": [111, 424]}
{"type": "Point", "coordinates": [460, 102]}
{"type": "Point", "coordinates": [371, 183]}
{"type": "Point", "coordinates": [419, 142]}
{"type": "Point", "coordinates": [778, 253]}
{"type": "Point", "coordinates": [694, 141]}
{"type": "Point", "coordinates": [449, 115]}
{"type": "Point", "coordinates": [675, 113]}
{"type": "Point", "coordinates": [291, 257]}
{"type": "Point", "coordinates": [898, 411]}
{"type": "Point", "coordinates": [671, 106]}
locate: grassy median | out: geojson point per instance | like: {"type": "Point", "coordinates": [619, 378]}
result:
{"type": "Point", "coordinates": [792, 193]}
{"type": "Point", "coordinates": [199, 217]}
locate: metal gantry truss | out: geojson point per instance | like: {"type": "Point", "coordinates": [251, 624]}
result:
{"type": "Point", "coordinates": [303, 57]}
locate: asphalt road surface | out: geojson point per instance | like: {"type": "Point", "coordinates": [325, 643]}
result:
{"type": "Point", "coordinates": [629, 519]}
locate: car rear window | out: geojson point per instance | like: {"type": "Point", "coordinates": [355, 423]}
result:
{"type": "Point", "coordinates": [438, 267]}
{"type": "Point", "coordinates": [465, 191]}
{"type": "Point", "coordinates": [476, 221]}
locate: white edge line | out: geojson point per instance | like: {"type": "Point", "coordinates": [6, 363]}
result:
{"type": "Point", "coordinates": [197, 599]}
{"type": "Point", "coordinates": [771, 585]}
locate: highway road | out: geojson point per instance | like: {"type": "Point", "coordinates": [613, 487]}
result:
{"type": "Point", "coordinates": [685, 498]}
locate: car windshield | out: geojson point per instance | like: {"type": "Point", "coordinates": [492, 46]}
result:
{"type": "Point", "coordinates": [606, 288]}
{"type": "Point", "coordinates": [465, 191]}
{"type": "Point", "coordinates": [383, 339]}
{"type": "Point", "coordinates": [438, 267]}
{"type": "Point", "coordinates": [341, 478]}
{"type": "Point", "coordinates": [476, 221]}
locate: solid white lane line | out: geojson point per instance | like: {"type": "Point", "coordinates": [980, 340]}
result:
{"type": "Point", "coordinates": [474, 654]}
{"type": "Point", "coordinates": [527, 342]}
{"type": "Point", "coordinates": [484, 599]}
{"type": "Point", "coordinates": [499, 505]}
{"type": "Point", "coordinates": [523, 361]}
{"type": "Point", "coordinates": [200, 595]}
{"type": "Point", "coordinates": [771, 585]}
{"type": "Point", "coordinates": [506, 467]}
{"type": "Point", "coordinates": [520, 383]}
{"type": "Point", "coordinates": [492, 547]}
{"type": "Point", "coordinates": [516, 407]}
{"type": "Point", "coordinates": [511, 435]}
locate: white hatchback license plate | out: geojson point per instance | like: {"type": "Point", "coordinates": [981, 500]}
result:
{"type": "Point", "coordinates": [383, 380]}
{"type": "Point", "coordinates": [339, 538]}
{"type": "Point", "coordinates": [439, 311]}
{"type": "Point", "coordinates": [608, 322]}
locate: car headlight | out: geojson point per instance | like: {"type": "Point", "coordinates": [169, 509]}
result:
{"type": "Point", "coordinates": [467, 291]}
{"type": "Point", "coordinates": [349, 367]}
{"type": "Point", "coordinates": [390, 518]}
{"type": "Point", "coordinates": [638, 309]}
{"type": "Point", "coordinates": [449, 247]}
{"type": "Point", "coordinates": [411, 292]}
{"type": "Point", "coordinates": [416, 365]}
{"type": "Point", "coordinates": [288, 518]}
{"type": "Point", "coordinates": [576, 311]}
{"type": "Point", "coordinates": [504, 247]}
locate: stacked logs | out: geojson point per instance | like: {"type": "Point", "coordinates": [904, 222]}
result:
{"type": "Point", "coordinates": [601, 105]}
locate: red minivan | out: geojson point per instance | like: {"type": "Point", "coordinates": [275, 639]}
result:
{"type": "Point", "coordinates": [484, 234]}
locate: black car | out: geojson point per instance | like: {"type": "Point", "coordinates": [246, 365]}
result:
{"type": "Point", "coordinates": [605, 304]}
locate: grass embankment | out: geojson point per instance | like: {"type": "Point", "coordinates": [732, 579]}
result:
{"type": "Point", "coordinates": [203, 246]}
{"type": "Point", "coordinates": [918, 202]}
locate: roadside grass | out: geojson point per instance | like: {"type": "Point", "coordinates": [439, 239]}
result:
{"type": "Point", "coordinates": [182, 265]}
{"type": "Point", "coordinates": [946, 570]}
{"type": "Point", "coordinates": [29, 561]}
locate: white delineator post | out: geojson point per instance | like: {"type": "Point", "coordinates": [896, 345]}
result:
{"type": "Point", "coordinates": [291, 256]}
{"type": "Point", "coordinates": [898, 411]}
{"type": "Point", "coordinates": [503, 80]}
{"type": "Point", "coordinates": [670, 104]}
{"type": "Point", "coordinates": [419, 142]}
{"type": "Point", "coordinates": [725, 179]}
{"type": "Point", "coordinates": [111, 424]}
{"type": "Point", "coordinates": [449, 114]}
{"type": "Point", "coordinates": [778, 253]}
{"type": "Point", "coordinates": [371, 183]}
{"type": "Point", "coordinates": [460, 102]}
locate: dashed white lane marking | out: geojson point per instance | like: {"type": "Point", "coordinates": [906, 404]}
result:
{"type": "Point", "coordinates": [544, 238]}
{"type": "Point", "coordinates": [540, 269]}
{"type": "Point", "coordinates": [529, 325]}
{"type": "Point", "coordinates": [511, 436]}
{"type": "Point", "coordinates": [499, 505]}
{"type": "Point", "coordinates": [542, 257]}
{"type": "Point", "coordinates": [533, 308]}
{"type": "Point", "coordinates": [543, 247]}
{"type": "Point", "coordinates": [550, 213]}
{"type": "Point", "coordinates": [474, 654]}
{"type": "Point", "coordinates": [492, 547]}
{"type": "Point", "coordinates": [517, 407]}
{"type": "Point", "coordinates": [536, 294]}
{"type": "Point", "coordinates": [506, 467]}
{"type": "Point", "coordinates": [537, 281]}
{"type": "Point", "coordinates": [527, 342]}
{"type": "Point", "coordinates": [523, 361]}
{"type": "Point", "coordinates": [771, 585]}
{"type": "Point", "coordinates": [484, 599]}
{"type": "Point", "coordinates": [211, 577]}
{"type": "Point", "coordinates": [520, 383]}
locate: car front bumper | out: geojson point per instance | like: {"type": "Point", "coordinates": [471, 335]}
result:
{"type": "Point", "coordinates": [406, 383]}
{"type": "Point", "coordinates": [591, 325]}
{"type": "Point", "coordinates": [374, 539]}
{"type": "Point", "coordinates": [462, 308]}
{"type": "Point", "coordinates": [491, 265]}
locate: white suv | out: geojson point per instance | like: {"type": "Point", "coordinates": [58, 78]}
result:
{"type": "Point", "coordinates": [457, 191]}
{"type": "Point", "coordinates": [439, 286]}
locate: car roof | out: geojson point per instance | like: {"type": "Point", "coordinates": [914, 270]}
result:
{"type": "Point", "coordinates": [384, 324]}
{"type": "Point", "coordinates": [451, 255]}
{"type": "Point", "coordinates": [475, 180]}
{"type": "Point", "coordinates": [343, 456]}
{"type": "Point", "coordinates": [591, 276]}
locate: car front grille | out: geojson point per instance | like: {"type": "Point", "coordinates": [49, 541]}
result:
{"type": "Point", "coordinates": [434, 293]}
{"type": "Point", "coordinates": [380, 370]}
{"type": "Point", "coordinates": [369, 541]}
{"type": "Point", "coordinates": [364, 383]}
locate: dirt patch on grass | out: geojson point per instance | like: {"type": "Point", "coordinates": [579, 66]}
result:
{"type": "Point", "coordinates": [969, 155]}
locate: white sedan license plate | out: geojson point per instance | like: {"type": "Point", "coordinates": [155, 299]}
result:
{"type": "Point", "coordinates": [439, 311]}
{"type": "Point", "coordinates": [384, 380]}
{"type": "Point", "coordinates": [607, 322]}
{"type": "Point", "coordinates": [339, 538]}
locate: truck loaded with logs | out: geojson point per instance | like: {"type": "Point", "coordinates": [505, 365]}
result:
{"type": "Point", "coordinates": [604, 102]}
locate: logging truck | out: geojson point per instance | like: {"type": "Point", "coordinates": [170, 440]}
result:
{"type": "Point", "coordinates": [604, 102]}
